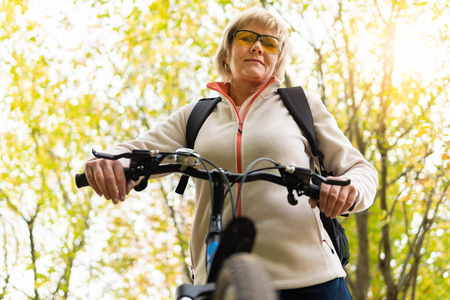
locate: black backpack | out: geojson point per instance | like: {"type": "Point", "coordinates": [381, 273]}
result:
{"type": "Point", "coordinates": [294, 99]}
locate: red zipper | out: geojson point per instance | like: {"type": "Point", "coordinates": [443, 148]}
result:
{"type": "Point", "coordinates": [239, 133]}
{"type": "Point", "coordinates": [238, 160]}
{"type": "Point", "coordinates": [239, 137]}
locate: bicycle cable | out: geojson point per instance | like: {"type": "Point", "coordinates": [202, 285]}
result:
{"type": "Point", "coordinates": [249, 171]}
{"type": "Point", "coordinates": [222, 174]}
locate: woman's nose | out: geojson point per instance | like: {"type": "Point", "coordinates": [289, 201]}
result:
{"type": "Point", "coordinates": [257, 47]}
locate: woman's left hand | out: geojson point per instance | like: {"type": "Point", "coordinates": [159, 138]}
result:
{"type": "Point", "coordinates": [335, 200]}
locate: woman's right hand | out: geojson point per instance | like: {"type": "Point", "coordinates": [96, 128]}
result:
{"type": "Point", "coordinates": [107, 179]}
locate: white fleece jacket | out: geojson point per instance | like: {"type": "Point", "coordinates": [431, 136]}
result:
{"type": "Point", "coordinates": [291, 241]}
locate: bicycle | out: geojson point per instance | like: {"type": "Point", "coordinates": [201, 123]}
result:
{"type": "Point", "coordinates": [233, 272]}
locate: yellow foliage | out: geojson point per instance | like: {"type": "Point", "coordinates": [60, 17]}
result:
{"type": "Point", "coordinates": [69, 86]}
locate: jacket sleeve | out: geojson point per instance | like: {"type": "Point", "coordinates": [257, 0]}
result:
{"type": "Point", "coordinates": [167, 135]}
{"type": "Point", "coordinates": [341, 157]}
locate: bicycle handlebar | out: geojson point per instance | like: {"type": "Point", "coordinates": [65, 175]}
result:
{"type": "Point", "coordinates": [146, 163]}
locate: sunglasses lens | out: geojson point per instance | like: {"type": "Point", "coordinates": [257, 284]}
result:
{"type": "Point", "coordinates": [248, 38]}
{"type": "Point", "coordinates": [270, 44]}
{"type": "Point", "coordinates": [245, 37]}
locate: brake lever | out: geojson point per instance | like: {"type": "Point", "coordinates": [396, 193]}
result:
{"type": "Point", "coordinates": [140, 160]}
{"type": "Point", "coordinates": [110, 156]}
{"type": "Point", "coordinates": [136, 155]}
{"type": "Point", "coordinates": [326, 180]}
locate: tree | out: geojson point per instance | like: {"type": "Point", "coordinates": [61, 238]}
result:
{"type": "Point", "coordinates": [383, 110]}
{"type": "Point", "coordinates": [70, 86]}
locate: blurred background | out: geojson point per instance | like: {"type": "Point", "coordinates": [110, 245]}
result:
{"type": "Point", "coordinates": [77, 75]}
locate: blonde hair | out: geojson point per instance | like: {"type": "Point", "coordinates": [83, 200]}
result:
{"type": "Point", "coordinates": [260, 17]}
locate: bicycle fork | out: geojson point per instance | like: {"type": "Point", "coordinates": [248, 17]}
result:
{"type": "Point", "coordinates": [238, 236]}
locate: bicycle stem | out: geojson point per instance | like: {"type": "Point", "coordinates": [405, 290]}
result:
{"type": "Point", "coordinates": [215, 223]}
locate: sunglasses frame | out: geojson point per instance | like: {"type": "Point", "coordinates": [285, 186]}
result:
{"type": "Point", "coordinates": [260, 37]}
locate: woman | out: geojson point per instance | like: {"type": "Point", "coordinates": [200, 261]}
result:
{"type": "Point", "coordinates": [252, 122]}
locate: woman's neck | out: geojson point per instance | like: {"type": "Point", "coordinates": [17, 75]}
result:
{"type": "Point", "coordinates": [240, 91]}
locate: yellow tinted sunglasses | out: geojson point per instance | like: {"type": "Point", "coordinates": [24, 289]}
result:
{"type": "Point", "coordinates": [269, 43]}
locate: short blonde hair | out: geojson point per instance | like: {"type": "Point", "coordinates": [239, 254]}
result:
{"type": "Point", "coordinates": [259, 17]}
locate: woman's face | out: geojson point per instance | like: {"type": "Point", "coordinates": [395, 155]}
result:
{"type": "Point", "coordinates": [255, 63]}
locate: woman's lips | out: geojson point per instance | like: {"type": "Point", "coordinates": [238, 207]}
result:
{"type": "Point", "coordinates": [255, 60]}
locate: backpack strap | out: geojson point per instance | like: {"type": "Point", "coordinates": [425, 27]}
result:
{"type": "Point", "coordinates": [198, 116]}
{"type": "Point", "coordinates": [294, 98]}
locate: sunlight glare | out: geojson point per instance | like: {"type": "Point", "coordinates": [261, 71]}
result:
{"type": "Point", "coordinates": [413, 50]}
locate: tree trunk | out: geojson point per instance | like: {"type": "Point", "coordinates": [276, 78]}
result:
{"type": "Point", "coordinates": [362, 282]}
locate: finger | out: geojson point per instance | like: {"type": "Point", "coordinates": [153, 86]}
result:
{"type": "Point", "coordinates": [313, 202]}
{"type": "Point", "coordinates": [91, 180]}
{"type": "Point", "coordinates": [99, 178]}
{"type": "Point", "coordinates": [110, 181]}
{"type": "Point", "coordinates": [351, 198]}
{"type": "Point", "coordinates": [339, 203]}
{"type": "Point", "coordinates": [333, 195]}
{"type": "Point", "coordinates": [323, 199]}
{"type": "Point", "coordinates": [130, 186]}
{"type": "Point", "coordinates": [120, 180]}
{"type": "Point", "coordinates": [328, 195]}
{"type": "Point", "coordinates": [106, 180]}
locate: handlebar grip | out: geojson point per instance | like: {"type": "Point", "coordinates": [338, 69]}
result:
{"type": "Point", "coordinates": [313, 191]}
{"type": "Point", "coordinates": [81, 180]}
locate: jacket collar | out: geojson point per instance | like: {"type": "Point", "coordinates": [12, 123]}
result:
{"type": "Point", "coordinates": [223, 88]}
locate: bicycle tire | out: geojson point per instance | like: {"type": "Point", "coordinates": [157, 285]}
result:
{"type": "Point", "coordinates": [243, 278]}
